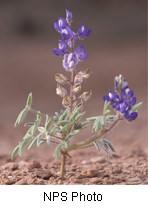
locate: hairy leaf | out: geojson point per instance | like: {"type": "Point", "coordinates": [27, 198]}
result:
{"type": "Point", "coordinates": [29, 101]}
{"type": "Point", "coordinates": [107, 146]}
{"type": "Point", "coordinates": [71, 134]}
{"type": "Point", "coordinates": [58, 149]}
{"type": "Point", "coordinates": [97, 145]}
{"type": "Point", "coordinates": [136, 106]}
{"type": "Point", "coordinates": [15, 152]}
{"type": "Point", "coordinates": [99, 122]}
{"type": "Point", "coordinates": [84, 124]}
{"type": "Point", "coordinates": [47, 123]}
{"type": "Point", "coordinates": [63, 115]}
{"type": "Point", "coordinates": [65, 129]}
{"type": "Point", "coordinates": [21, 117]}
{"type": "Point", "coordinates": [106, 108]}
{"type": "Point", "coordinates": [24, 143]}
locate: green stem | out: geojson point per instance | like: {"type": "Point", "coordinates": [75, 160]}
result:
{"type": "Point", "coordinates": [91, 139]}
{"type": "Point", "coordinates": [63, 162]}
{"type": "Point", "coordinates": [37, 112]}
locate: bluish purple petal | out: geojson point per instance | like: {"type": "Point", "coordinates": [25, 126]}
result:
{"type": "Point", "coordinates": [68, 16]}
{"type": "Point", "coordinates": [133, 101]}
{"type": "Point", "coordinates": [106, 98]}
{"type": "Point", "coordinates": [58, 52]}
{"type": "Point", "coordinates": [81, 53]}
{"type": "Point", "coordinates": [70, 61]}
{"type": "Point", "coordinates": [56, 27]}
{"type": "Point", "coordinates": [63, 46]}
{"type": "Point", "coordinates": [82, 32]}
{"type": "Point", "coordinates": [132, 116]}
{"type": "Point", "coordinates": [62, 22]}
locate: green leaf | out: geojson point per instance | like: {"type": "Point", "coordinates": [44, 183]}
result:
{"type": "Point", "coordinates": [24, 143]}
{"type": "Point", "coordinates": [39, 138]}
{"type": "Point", "coordinates": [97, 145]}
{"type": "Point", "coordinates": [58, 149]}
{"type": "Point", "coordinates": [63, 122]}
{"type": "Point", "coordinates": [84, 123]}
{"type": "Point", "coordinates": [38, 117]}
{"type": "Point", "coordinates": [53, 130]}
{"type": "Point", "coordinates": [136, 106]}
{"type": "Point", "coordinates": [107, 146]}
{"type": "Point", "coordinates": [29, 101]}
{"type": "Point", "coordinates": [92, 118]}
{"type": "Point", "coordinates": [41, 129]}
{"type": "Point", "coordinates": [74, 114]}
{"type": "Point", "coordinates": [33, 143]}
{"type": "Point", "coordinates": [71, 134]}
{"type": "Point", "coordinates": [65, 129]}
{"type": "Point", "coordinates": [110, 117]}
{"type": "Point", "coordinates": [15, 152]}
{"type": "Point", "coordinates": [47, 123]}
{"type": "Point", "coordinates": [63, 115]}
{"type": "Point", "coordinates": [79, 116]}
{"type": "Point", "coordinates": [99, 122]}
{"type": "Point", "coordinates": [21, 117]}
{"type": "Point", "coordinates": [106, 108]}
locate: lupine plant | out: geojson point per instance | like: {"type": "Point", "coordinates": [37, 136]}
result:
{"type": "Point", "coordinates": [70, 120]}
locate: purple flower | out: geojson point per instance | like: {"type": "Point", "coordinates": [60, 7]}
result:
{"type": "Point", "coordinates": [81, 53]}
{"type": "Point", "coordinates": [123, 99]}
{"type": "Point", "coordinates": [83, 33]}
{"type": "Point", "coordinates": [68, 17]}
{"type": "Point", "coordinates": [62, 23]}
{"type": "Point", "coordinates": [70, 61]}
{"type": "Point", "coordinates": [67, 33]}
{"type": "Point", "coordinates": [63, 48]}
{"type": "Point", "coordinates": [67, 43]}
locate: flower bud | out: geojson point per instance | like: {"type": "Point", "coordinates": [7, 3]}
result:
{"type": "Point", "coordinates": [60, 78]}
{"type": "Point", "coordinates": [85, 74]}
{"type": "Point", "coordinates": [85, 96]}
{"type": "Point", "coordinates": [77, 88]}
{"type": "Point", "coordinates": [61, 91]}
{"type": "Point", "coordinates": [81, 76]}
{"type": "Point", "coordinates": [66, 101]}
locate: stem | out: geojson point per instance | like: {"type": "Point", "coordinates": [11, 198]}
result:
{"type": "Point", "coordinates": [91, 139]}
{"type": "Point", "coordinates": [62, 169]}
{"type": "Point", "coordinates": [37, 112]}
{"type": "Point", "coordinates": [57, 137]}
{"type": "Point", "coordinates": [71, 92]}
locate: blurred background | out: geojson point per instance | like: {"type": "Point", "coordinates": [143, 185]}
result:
{"type": "Point", "coordinates": [117, 45]}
